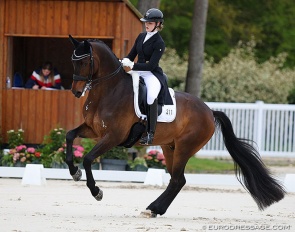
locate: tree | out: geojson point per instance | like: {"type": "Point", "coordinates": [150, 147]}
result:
{"type": "Point", "coordinates": [144, 5]}
{"type": "Point", "coordinates": [196, 48]}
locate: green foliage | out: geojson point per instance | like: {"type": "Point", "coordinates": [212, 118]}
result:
{"type": "Point", "coordinates": [88, 144]}
{"type": "Point", "coordinates": [137, 161]}
{"type": "Point", "coordinates": [15, 138]}
{"type": "Point", "coordinates": [240, 78]}
{"type": "Point", "coordinates": [202, 165]}
{"type": "Point", "coordinates": [7, 160]}
{"type": "Point", "coordinates": [174, 67]}
{"type": "Point", "coordinates": [50, 146]}
{"type": "Point", "coordinates": [268, 17]}
{"type": "Point", "coordinates": [291, 96]}
{"type": "Point", "coordinates": [116, 153]}
{"type": "Point", "coordinates": [55, 140]}
{"type": "Point", "coordinates": [177, 24]}
{"type": "Point", "coordinates": [229, 22]}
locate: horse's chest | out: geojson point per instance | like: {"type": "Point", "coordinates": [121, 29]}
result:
{"type": "Point", "coordinates": [94, 120]}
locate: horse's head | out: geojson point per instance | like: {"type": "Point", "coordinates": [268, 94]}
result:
{"type": "Point", "coordinates": [93, 63]}
{"type": "Point", "coordinates": [82, 60]}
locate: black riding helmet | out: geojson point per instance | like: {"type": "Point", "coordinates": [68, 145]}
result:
{"type": "Point", "coordinates": [153, 15]}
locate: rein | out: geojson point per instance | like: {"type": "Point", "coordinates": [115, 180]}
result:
{"type": "Point", "coordinates": [109, 76]}
{"type": "Point", "coordinates": [89, 78]}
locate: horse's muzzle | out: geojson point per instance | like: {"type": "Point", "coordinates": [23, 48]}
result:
{"type": "Point", "coordinates": [77, 94]}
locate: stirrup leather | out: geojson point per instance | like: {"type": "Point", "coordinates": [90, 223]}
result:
{"type": "Point", "coordinates": [152, 115]}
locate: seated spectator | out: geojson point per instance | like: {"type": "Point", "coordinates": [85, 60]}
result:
{"type": "Point", "coordinates": [44, 77]}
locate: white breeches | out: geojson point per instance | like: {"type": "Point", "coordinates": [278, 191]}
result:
{"type": "Point", "coordinates": [153, 85]}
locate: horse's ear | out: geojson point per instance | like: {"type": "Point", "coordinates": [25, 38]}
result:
{"type": "Point", "coordinates": [87, 46]}
{"type": "Point", "coordinates": [74, 41]}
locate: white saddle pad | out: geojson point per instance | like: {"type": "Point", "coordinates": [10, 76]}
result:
{"type": "Point", "coordinates": [168, 111]}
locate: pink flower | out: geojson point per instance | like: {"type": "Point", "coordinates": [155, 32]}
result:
{"type": "Point", "coordinates": [164, 162]}
{"type": "Point", "coordinates": [78, 154]}
{"type": "Point", "coordinates": [152, 152]}
{"type": "Point", "coordinates": [23, 159]}
{"type": "Point", "coordinates": [80, 148]}
{"type": "Point", "coordinates": [160, 156]}
{"type": "Point", "coordinates": [12, 151]}
{"type": "Point", "coordinates": [15, 156]}
{"type": "Point", "coordinates": [31, 150]}
{"type": "Point", "coordinates": [60, 149]}
{"type": "Point", "coordinates": [21, 147]}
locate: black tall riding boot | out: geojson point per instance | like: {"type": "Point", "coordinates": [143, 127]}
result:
{"type": "Point", "coordinates": [152, 115]}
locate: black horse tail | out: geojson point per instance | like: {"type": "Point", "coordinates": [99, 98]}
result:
{"type": "Point", "coordinates": [249, 168]}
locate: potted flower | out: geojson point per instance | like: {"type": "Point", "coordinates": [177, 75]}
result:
{"type": "Point", "coordinates": [20, 156]}
{"type": "Point", "coordinates": [52, 154]}
{"type": "Point", "coordinates": [155, 159]}
{"type": "Point", "coordinates": [15, 138]}
{"type": "Point", "coordinates": [115, 159]}
{"type": "Point", "coordinates": [79, 151]}
{"type": "Point", "coordinates": [88, 144]}
{"type": "Point", "coordinates": [138, 164]}
{"type": "Point", "coordinates": [58, 158]}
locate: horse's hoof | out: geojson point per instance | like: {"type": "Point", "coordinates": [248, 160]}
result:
{"type": "Point", "coordinates": [99, 196]}
{"type": "Point", "coordinates": [77, 176]}
{"type": "Point", "coordinates": [148, 214]}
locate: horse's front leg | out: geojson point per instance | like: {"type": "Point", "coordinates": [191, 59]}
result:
{"type": "Point", "coordinates": [81, 131]}
{"type": "Point", "coordinates": [100, 148]}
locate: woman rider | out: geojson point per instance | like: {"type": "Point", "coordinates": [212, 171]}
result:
{"type": "Point", "coordinates": [149, 47]}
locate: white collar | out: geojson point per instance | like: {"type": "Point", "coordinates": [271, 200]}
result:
{"type": "Point", "coordinates": [149, 35]}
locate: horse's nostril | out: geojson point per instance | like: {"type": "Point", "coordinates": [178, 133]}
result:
{"type": "Point", "coordinates": [78, 94]}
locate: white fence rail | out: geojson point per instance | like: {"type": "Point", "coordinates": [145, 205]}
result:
{"type": "Point", "coordinates": [270, 126]}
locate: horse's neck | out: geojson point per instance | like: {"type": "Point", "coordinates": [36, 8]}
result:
{"type": "Point", "coordinates": [113, 88]}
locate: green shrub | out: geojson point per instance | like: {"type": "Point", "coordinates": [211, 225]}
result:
{"type": "Point", "coordinates": [291, 96]}
{"type": "Point", "coordinates": [88, 144]}
{"type": "Point", "coordinates": [116, 153]}
{"type": "Point", "coordinates": [15, 138]}
{"type": "Point", "coordinates": [238, 77]}
{"type": "Point", "coordinates": [175, 68]}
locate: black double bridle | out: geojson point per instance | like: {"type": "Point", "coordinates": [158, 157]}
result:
{"type": "Point", "coordinates": [89, 78]}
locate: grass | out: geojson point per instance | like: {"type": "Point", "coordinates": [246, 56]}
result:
{"type": "Point", "coordinates": [203, 165]}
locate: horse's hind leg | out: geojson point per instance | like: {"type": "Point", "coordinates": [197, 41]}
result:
{"type": "Point", "coordinates": [176, 161]}
{"type": "Point", "coordinates": [175, 167]}
{"type": "Point", "coordinates": [81, 131]}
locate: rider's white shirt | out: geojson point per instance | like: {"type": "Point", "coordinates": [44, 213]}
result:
{"type": "Point", "coordinates": [149, 35]}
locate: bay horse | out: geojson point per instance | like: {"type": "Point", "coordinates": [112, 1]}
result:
{"type": "Point", "coordinates": [109, 114]}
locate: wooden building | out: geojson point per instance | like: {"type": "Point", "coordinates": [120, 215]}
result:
{"type": "Point", "coordinates": [35, 31]}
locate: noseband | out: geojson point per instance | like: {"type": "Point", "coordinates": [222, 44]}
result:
{"type": "Point", "coordinates": [89, 78]}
